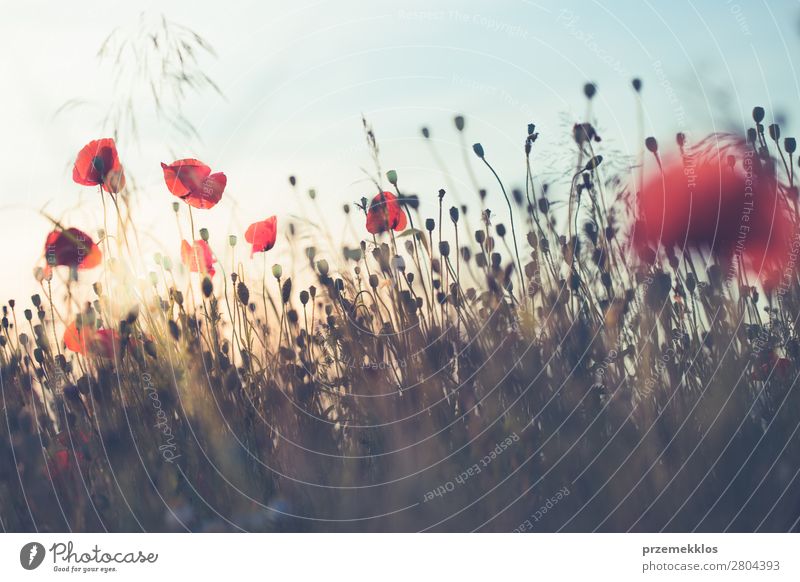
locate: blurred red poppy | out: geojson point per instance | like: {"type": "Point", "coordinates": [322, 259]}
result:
{"type": "Point", "coordinates": [385, 213]}
{"type": "Point", "coordinates": [192, 181]}
{"type": "Point", "coordinates": [89, 341]}
{"type": "Point", "coordinates": [262, 235]}
{"type": "Point", "coordinates": [71, 248]}
{"type": "Point", "coordinates": [720, 197]}
{"type": "Point", "coordinates": [98, 164]}
{"type": "Point", "coordinates": [198, 259]}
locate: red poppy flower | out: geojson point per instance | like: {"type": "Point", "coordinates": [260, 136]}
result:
{"type": "Point", "coordinates": [262, 235]}
{"type": "Point", "coordinates": [71, 248]}
{"type": "Point", "coordinates": [198, 259]}
{"type": "Point", "coordinates": [192, 181]}
{"type": "Point", "coordinates": [721, 197]}
{"type": "Point", "coordinates": [89, 341]}
{"type": "Point", "coordinates": [98, 164]}
{"type": "Point", "coordinates": [385, 213]}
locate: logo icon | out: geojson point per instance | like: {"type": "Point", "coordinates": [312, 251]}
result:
{"type": "Point", "coordinates": [31, 555]}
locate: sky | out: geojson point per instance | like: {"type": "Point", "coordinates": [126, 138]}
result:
{"type": "Point", "coordinates": [296, 77]}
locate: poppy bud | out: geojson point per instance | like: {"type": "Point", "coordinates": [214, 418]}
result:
{"type": "Point", "coordinates": [175, 207]}
{"type": "Point", "coordinates": [410, 278]}
{"type": "Point", "coordinates": [207, 287]}
{"type": "Point", "coordinates": [174, 330]}
{"type": "Point", "coordinates": [480, 236]}
{"type": "Point", "coordinates": [243, 293]}
{"type": "Point", "coordinates": [790, 145]}
{"type": "Point", "coordinates": [178, 296]}
{"type": "Point", "coordinates": [758, 114]}
{"type": "Point", "coordinates": [286, 290]}
{"type": "Point", "coordinates": [441, 193]}
{"type": "Point", "coordinates": [775, 131]}
{"type": "Point", "coordinates": [444, 248]}
{"type": "Point", "coordinates": [292, 181]}
{"type": "Point", "coordinates": [426, 132]}
{"type": "Point", "coordinates": [277, 271]}
{"type": "Point", "coordinates": [482, 194]}
{"type": "Point", "coordinates": [501, 230]}
{"type": "Point", "coordinates": [28, 314]}
{"type": "Point", "coordinates": [153, 278]}
{"type": "Point", "coordinates": [517, 194]}
{"type": "Point", "coordinates": [454, 214]}
{"type": "Point", "coordinates": [478, 149]}
{"type": "Point", "coordinates": [373, 281]}
{"type": "Point", "coordinates": [391, 175]}
{"type": "Point", "coordinates": [430, 224]}
{"type": "Point", "coordinates": [637, 84]}
{"type": "Point", "coordinates": [232, 240]}
{"type": "Point", "coordinates": [36, 300]}
{"type": "Point", "coordinates": [651, 144]}
{"type": "Point", "coordinates": [752, 136]}
{"type": "Point", "coordinates": [691, 282]}
{"type": "Point", "coordinates": [304, 297]}
{"type": "Point", "coordinates": [204, 234]}
{"type": "Point", "coordinates": [312, 194]}
{"type": "Point", "coordinates": [322, 267]}
{"type": "Point", "coordinates": [312, 290]}
{"type": "Point", "coordinates": [594, 162]}
{"type": "Point", "coordinates": [398, 263]}
{"type": "Point", "coordinates": [459, 121]}
{"type": "Point", "coordinates": [680, 138]}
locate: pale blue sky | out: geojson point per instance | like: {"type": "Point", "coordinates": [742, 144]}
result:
{"type": "Point", "coordinates": [298, 75]}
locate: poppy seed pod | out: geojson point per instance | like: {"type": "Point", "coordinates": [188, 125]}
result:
{"type": "Point", "coordinates": [204, 234]}
{"type": "Point", "coordinates": [430, 224]}
{"type": "Point", "coordinates": [444, 248]}
{"type": "Point", "coordinates": [454, 214]}
{"type": "Point", "coordinates": [775, 131]}
{"type": "Point", "coordinates": [501, 230]}
{"type": "Point", "coordinates": [175, 207]}
{"type": "Point", "coordinates": [758, 114]}
{"type": "Point", "coordinates": [637, 84]}
{"type": "Point", "coordinates": [426, 132]}
{"type": "Point", "coordinates": [232, 240]}
{"type": "Point", "coordinates": [680, 139]}
{"type": "Point", "coordinates": [304, 297]}
{"type": "Point", "coordinates": [322, 267]}
{"type": "Point", "coordinates": [391, 175]}
{"type": "Point", "coordinates": [459, 121]}
{"type": "Point", "coordinates": [590, 90]}
{"type": "Point", "coordinates": [373, 281]}
{"type": "Point", "coordinates": [277, 271]}
{"type": "Point", "coordinates": [752, 136]}
{"type": "Point", "coordinates": [480, 237]}
{"type": "Point", "coordinates": [36, 300]}
{"type": "Point", "coordinates": [790, 145]}
{"type": "Point", "coordinates": [651, 144]}
{"type": "Point", "coordinates": [478, 149]}
{"type": "Point", "coordinates": [312, 194]}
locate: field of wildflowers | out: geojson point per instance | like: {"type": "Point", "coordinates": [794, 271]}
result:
{"type": "Point", "coordinates": [618, 356]}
